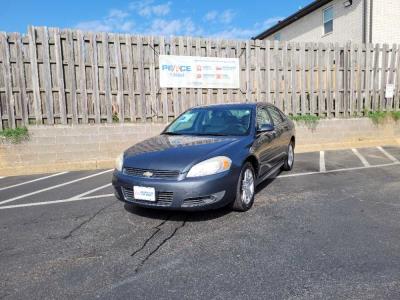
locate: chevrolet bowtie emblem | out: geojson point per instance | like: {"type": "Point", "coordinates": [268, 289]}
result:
{"type": "Point", "coordinates": [147, 174]}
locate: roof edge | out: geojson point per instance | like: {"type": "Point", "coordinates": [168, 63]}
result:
{"type": "Point", "coordinates": [292, 18]}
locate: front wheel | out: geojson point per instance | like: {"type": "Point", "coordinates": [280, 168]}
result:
{"type": "Point", "coordinates": [245, 189]}
{"type": "Point", "coordinates": [288, 163]}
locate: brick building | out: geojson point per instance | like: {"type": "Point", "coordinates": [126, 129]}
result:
{"type": "Point", "coordinates": [359, 21]}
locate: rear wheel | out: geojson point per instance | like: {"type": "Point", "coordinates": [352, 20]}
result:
{"type": "Point", "coordinates": [245, 190]}
{"type": "Point", "coordinates": [289, 161]}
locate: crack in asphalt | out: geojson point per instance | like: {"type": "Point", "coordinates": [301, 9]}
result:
{"type": "Point", "coordinates": [157, 229]}
{"type": "Point", "coordinates": [79, 226]}
{"type": "Point", "coordinates": [143, 261]}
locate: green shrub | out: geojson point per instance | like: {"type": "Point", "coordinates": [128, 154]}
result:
{"type": "Point", "coordinates": [16, 135]}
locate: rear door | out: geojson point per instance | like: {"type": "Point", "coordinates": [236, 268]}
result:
{"type": "Point", "coordinates": [281, 133]}
{"type": "Point", "coordinates": [265, 144]}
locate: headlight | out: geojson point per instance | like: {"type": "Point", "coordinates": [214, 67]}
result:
{"type": "Point", "coordinates": [119, 161]}
{"type": "Point", "coordinates": [210, 166]}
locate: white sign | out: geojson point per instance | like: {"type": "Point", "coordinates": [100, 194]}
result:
{"type": "Point", "coordinates": [199, 72]}
{"type": "Point", "coordinates": [389, 91]}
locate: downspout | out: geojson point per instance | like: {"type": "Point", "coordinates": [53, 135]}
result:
{"type": "Point", "coordinates": [364, 24]}
{"type": "Point", "coordinates": [371, 10]}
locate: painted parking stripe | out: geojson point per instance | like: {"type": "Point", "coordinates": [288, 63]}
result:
{"type": "Point", "coordinates": [322, 167]}
{"type": "Point", "coordinates": [91, 191]}
{"type": "Point", "coordinates": [338, 170]}
{"type": "Point", "coordinates": [53, 187]}
{"type": "Point", "coordinates": [388, 155]}
{"type": "Point", "coordinates": [55, 201]}
{"type": "Point", "coordinates": [362, 158]}
{"type": "Point", "coordinates": [30, 181]}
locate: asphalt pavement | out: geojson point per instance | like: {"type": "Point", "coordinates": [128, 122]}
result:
{"type": "Point", "coordinates": [328, 229]}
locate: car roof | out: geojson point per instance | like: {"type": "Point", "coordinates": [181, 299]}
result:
{"type": "Point", "coordinates": [235, 104]}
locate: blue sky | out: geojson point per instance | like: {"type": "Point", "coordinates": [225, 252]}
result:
{"type": "Point", "coordinates": [208, 18]}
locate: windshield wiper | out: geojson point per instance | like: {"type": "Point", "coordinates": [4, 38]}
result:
{"type": "Point", "coordinates": [172, 133]}
{"type": "Point", "coordinates": [212, 134]}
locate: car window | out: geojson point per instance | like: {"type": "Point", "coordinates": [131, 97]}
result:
{"type": "Point", "coordinates": [212, 121]}
{"type": "Point", "coordinates": [276, 115]}
{"type": "Point", "coordinates": [263, 118]}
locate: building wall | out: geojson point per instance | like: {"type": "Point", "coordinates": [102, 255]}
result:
{"type": "Point", "coordinates": [386, 21]}
{"type": "Point", "coordinates": [347, 25]}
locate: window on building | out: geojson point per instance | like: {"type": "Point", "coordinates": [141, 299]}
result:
{"type": "Point", "coordinates": [328, 20]}
{"type": "Point", "coordinates": [277, 36]}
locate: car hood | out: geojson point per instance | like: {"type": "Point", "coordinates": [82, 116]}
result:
{"type": "Point", "coordinates": [165, 152]}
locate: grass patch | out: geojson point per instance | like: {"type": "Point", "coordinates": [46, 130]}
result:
{"type": "Point", "coordinates": [16, 135]}
{"type": "Point", "coordinates": [379, 117]}
{"type": "Point", "coordinates": [310, 121]}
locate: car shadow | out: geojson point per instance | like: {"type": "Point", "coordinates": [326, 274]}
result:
{"type": "Point", "coordinates": [188, 216]}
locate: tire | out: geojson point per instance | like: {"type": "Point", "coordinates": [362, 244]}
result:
{"type": "Point", "coordinates": [245, 198]}
{"type": "Point", "coordinates": [289, 160]}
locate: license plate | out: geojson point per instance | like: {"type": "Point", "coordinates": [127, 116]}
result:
{"type": "Point", "coordinates": [144, 193]}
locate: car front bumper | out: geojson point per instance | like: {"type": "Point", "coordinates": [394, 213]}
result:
{"type": "Point", "coordinates": [202, 193]}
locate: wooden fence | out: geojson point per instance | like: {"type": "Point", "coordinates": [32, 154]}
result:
{"type": "Point", "coordinates": [53, 76]}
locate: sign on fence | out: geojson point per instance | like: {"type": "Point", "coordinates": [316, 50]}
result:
{"type": "Point", "coordinates": [199, 72]}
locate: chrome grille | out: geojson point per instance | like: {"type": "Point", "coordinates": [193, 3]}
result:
{"type": "Point", "coordinates": [162, 198]}
{"type": "Point", "coordinates": [138, 172]}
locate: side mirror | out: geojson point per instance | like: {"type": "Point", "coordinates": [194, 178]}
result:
{"type": "Point", "coordinates": [265, 128]}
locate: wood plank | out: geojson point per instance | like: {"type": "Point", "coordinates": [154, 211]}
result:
{"type": "Point", "coordinates": [352, 98]}
{"type": "Point", "coordinates": [34, 74]}
{"type": "Point", "coordinates": [142, 96]}
{"type": "Point", "coordinates": [47, 76]}
{"type": "Point", "coordinates": [375, 90]}
{"type": "Point", "coordinates": [328, 94]}
{"type": "Point", "coordinates": [303, 71]}
{"type": "Point", "coordinates": [120, 88]}
{"type": "Point", "coordinates": [72, 77]}
{"type": "Point", "coordinates": [153, 89]}
{"type": "Point", "coordinates": [107, 79]}
{"type": "Point", "coordinates": [268, 70]}
{"type": "Point", "coordinates": [248, 70]}
{"type": "Point", "coordinates": [10, 103]}
{"type": "Point", "coordinates": [337, 95]}
{"type": "Point", "coordinates": [359, 79]}
{"type": "Point", "coordinates": [22, 81]}
{"type": "Point", "coordinates": [95, 78]}
{"type": "Point", "coordinates": [313, 105]}
{"type": "Point", "coordinates": [367, 92]}
{"type": "Point", "coordinates": [285, 71]}
{"type": "Point", "coordinates": [164, 98]}
{"type": "Point", "coordinates": [82, 77]}
{"type": "Point", "coordinates": [391, 74]}
{"type": "Point", "coordinates": [131, 84]}
{"type": "Point", "coordinates": [397, 97]}
{"type": "Point", "coordinates": [383, 102]}
{"type": "Point", "coordinates": [60, 75]}
{"type": "Point", "coordinates": [320, 67]}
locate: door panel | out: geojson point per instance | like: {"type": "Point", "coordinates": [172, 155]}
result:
{"type": "Point", "coordinates": [265, 143]}
{"type": "Point", "coordinates": [281, 133]}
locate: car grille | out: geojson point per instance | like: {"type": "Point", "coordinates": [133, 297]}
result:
{"type": "Point", "coordinates": [166, 174]}
{"type": "Point", "coordinates": [162, 198]}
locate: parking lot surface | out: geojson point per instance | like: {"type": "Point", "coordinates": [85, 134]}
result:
{"type": "Point", "coordinates": [328, 229]}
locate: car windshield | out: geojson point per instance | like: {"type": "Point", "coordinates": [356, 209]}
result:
{"type": "Point", "coordinates": [217, 121]}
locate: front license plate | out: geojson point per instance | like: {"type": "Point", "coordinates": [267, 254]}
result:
{"type": "Point", "coordinates": [144, 193]}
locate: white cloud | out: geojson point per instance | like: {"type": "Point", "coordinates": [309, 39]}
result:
{"type": "Point", "coordinates": [147, 8]}
{"type": "Point", "coordinates": [227, 16]}
{"type": "Point", "coordinates": [116, 21]}
{"type": "Point", "coordinates": [174, 27]}
{"type": "Point", "coordinates": [211, 15]}
{"type": "Point", "coordinates": [224, 17]}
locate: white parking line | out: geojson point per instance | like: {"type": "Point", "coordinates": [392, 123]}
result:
{"type": "Point", "coordinates": [91, 191]}
{"type": "Point", "coordinates": [53, 187]}
{"type": "Point", "coordinates": [362, 158]}
{"type": "Point", "coordinates": [338, 170]}
{"type": "Point", "coordinates": [388, 155]}
{"type": "Point", "coordinates": [322, 167]}
{"type": "Point", "coordinates": [55, 201]}
{"type": "Point", "coordinates": [30, 181]}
